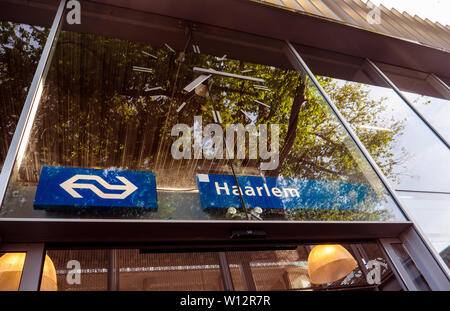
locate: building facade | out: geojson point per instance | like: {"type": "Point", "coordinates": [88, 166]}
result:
{"type": "Point", "coordinates": [223, 145]}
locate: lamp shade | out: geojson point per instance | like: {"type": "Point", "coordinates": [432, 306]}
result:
{"type": "Point", "coordinates": [329, 263]}
{"type": "Point", "coordinates": [11, 265]}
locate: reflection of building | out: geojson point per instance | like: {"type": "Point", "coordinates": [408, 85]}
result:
{"type": "Point", "coordinates": [357, 114]}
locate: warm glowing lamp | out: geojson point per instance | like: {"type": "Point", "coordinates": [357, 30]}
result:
{"type": "Point", "coordinates": [49, 282]}
{"type": "Point", "coordinates": [11, 265]}
{"type": "Point", "coordinates": [329, 263]}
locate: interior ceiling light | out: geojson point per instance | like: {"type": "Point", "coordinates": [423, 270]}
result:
{"type": "Point", "coordinates": [11, 265]}
{"type": "Point", "coordinates": [329, 263]}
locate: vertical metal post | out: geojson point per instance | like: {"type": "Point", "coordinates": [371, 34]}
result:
{"type": "Point", "coordinates": [226, 273]}
{"type": "Point", "coordinates": [247, 275]}
{"type": "Point", "coordinates": [113, 271]}
{"type": "Point", "coordinates": [25, 123]}
{"type": "Point", "coordinates": [32, 268]}
{"type": "Point", "coordinates": [403, 97]}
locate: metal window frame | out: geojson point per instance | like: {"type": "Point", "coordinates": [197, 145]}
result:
{"type": "Point", "coordinates": [439, 85]}
{"type": "Point", "coordinates": [386, 244]}
{"type": "Point", "coordinates": [419, 238]}
{"type": "Point", "coordinates": [410, 105]}
{"type": "Point", "coordinates": [113, 270]}
{"type": "Point", "coordinates": [425, 259]}
{"type": "Point", "coordinates": [32, 267]}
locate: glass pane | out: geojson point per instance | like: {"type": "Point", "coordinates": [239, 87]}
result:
{"type": "Point", "coordinates": [288, 270]}
{"type": "Point", "coordinates": [20, 49]}
{"type": "Point", "coordinates": [169, 271]}
{"type": "Point", "coordinates": [427, 93]}
{"type": "Point", "coordinates": [395, 137]}
{"type": "Point", "coordinates": [293, 268]}
{"type": "Point", "coordinates": [410, 267]}
{"type": "Point", "coordinates": [75, 270]}
{"type": "Point", "coordinates": [435, 110]}
{"type": "Point", "coordinates": [319, 170]}
{"type": "Point", "coordinates": [11, 267]}
{"type": "Point", "coordinates": [431, 211]}
{"type": "Point", "coordinates": [128, 102]}
{"type": "Point", "coordinates": [405, 149]}
{"type": "Point", "coordinates": [90, 270]}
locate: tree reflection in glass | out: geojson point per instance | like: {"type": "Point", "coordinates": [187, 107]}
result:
{"type": "Point", "coordinates": [111, 103]}
{"type": "Point", "coordinates": [20, 48]}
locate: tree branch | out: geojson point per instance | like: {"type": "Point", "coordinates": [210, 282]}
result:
{"type": "Point", "coordinates": [292, 127]}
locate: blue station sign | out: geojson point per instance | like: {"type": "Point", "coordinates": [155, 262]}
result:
{"type": "Point", "coordinates": [221, 191]}
{"type": "Point", "coordinates": [83, 187]}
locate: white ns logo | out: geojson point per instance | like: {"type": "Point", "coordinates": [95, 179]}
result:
{"type": "Point", "coordinates": [127, 187]}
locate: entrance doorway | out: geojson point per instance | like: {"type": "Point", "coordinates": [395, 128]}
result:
{"type": "Point", "coordinates": [360, 266]}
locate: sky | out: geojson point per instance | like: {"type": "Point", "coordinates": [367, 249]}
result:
{"type": "Point", "coordinates": [419, 168]}
{"type": "Point", "coordinates": [434, 10]}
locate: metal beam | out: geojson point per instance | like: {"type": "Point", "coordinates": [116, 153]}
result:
{"type": "Point", "coordinates": [406, 100]}
{"type": "Point", "coordinates": [439, 85]}
{"type": "Point", "coordinates": [117, 231]}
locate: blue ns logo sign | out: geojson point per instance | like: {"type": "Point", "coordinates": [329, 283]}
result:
{"type": "Point", "coordinates": [82, 187]}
